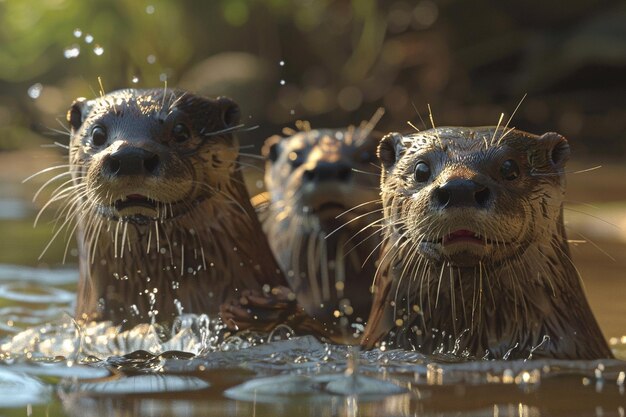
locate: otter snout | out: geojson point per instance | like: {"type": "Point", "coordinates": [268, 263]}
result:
{"type": "Point", "coordinates": [460, 192]}
{"type": "Point", "coordinates": [131, 160]}
{"type": "Point", "coordinates": [328, 171]}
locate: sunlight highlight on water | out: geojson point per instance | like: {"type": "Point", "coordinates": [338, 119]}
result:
{"type": "Point", "coordinates": [41, 343]}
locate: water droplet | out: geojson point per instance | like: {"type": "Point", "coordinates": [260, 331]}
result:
{"type": "Point", "coordinates": [34, 91]}
{"type": "Point", "coordinates": [78, 33]}
{"type": "Point", "coordinates": [163, 77]}
{"type": "Point", "coordinates": [88, 38]}
{"type": "Point", "coordinates": [71, 51]}
{"type": "Point", "coordinates": [259, 184]}
{"type": "Point", "coordinates": [281, 63]}
{"type": "Point", "coordinates": [151, 59]}
{"type": "Point", "coordinates": [98, 50]}
{"type": "Point", "coordinates": [134, 80]}
{"type": "Point", "coordinates": [150, 9]}
{"type": "Point", "coordinates": [282, 82]}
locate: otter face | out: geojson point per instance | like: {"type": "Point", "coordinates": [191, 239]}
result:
{"type": "Point", "coordinates": [469, 195]}
{"type": "Point", "coordinates": [322, 173]}
{"type": "Point", "coordinates": [145, 155]}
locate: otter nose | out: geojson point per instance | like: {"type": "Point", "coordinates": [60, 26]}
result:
{"type": "Point", "coordinates": [131, 160]}
{"type": "Point", "coordinates": [328, 171]}
{"type": "Point", "coordinates": [461, 193]}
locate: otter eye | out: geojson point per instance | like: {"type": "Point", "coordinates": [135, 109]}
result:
{"type": "Point", "coordinates": [509, 170]}
{"type": "Point", "coordinates": [422, 172]}
{"type": "Point", "coordinates": [180, 132]}
{"type": "Point", "coordinates": [98, 135]}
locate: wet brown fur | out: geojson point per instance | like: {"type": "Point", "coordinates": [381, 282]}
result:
{"type": "Point", "coordinates": [322, 230]}
{"type": "Point", "coordinates": [201, 244]}
{"type": "Point", "coordinates": [517, 296]}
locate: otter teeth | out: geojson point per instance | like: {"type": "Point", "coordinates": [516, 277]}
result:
{"type": "Point", "coordinates": [463, 235]}
{"type": "Point", "coordinates": [135, 200]}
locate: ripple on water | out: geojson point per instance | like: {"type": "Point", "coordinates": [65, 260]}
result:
{"type": "Point", "coordinates": [16, 273]}
{"type": "Point", "coordinates": [19, 389]}
{"type": "Point", "coordinates": [313, 388]}
{"type": "Point", "coordinates": [141, 384]}
{"type": "Point", "coordinates": [25, 292]}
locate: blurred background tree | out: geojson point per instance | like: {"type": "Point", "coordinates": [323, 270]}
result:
{"type": "Point", "coordinates": [330, 62]}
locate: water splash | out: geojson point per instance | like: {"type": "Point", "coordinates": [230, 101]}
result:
{"type": "Point", "coordinates": [72, 51]}
{"type": "Point", "coordinates": [34, 91]}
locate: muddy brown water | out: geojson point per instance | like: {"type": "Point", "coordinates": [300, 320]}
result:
{"type": "Point", "coordinates": [290, 377]}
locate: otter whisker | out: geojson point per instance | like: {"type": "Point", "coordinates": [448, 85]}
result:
{"type": "Point", "coordinates": [117, 228]}
{"type": "Point", "coordinates": [62, 195]}
{"type": "Point", "coordinates": [365, 172]}
{"type": "Point", "coordinates": [592, 216]}
{"type": "Point", "coordinates": [353, 220]}
{"type": "Point", "coordinates": [364, 240]}
{"type": "Point", "coordinates": [534, 173]}
{"type": "Point", "coordinates": [43, 171]}
{"type": "Point", "coordinates": [511, 118]}
{"type": "Point", "coordinates": [124, 235]}
{"type": "Point", "coordinates": [367, 127]}
{"type": "Point", "coordinates": [51, 180]}
{"type": "Point", "coordinates": [182, 259]}
{"type": "Point", "coordinates": [231, 129]}
{"type": "Point", "coordinates": [493, 137]}
{"type": "Point", "coordinates": [357, 207]}
{"type": "Point", "coordinates": [408, 122]}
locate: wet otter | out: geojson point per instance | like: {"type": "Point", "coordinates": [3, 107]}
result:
{"type": "Point", "coordinates": [320, 213]}
{"type": "Point", "coordinates": [475, 259]}
{"type": "Point", "coordinates": [164, 223]}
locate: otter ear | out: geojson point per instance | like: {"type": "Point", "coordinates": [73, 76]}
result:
{"type": "Point", "coordinates": [230, 111]}
{"type": "Point", "coordinates": [390, 149]}
{"type": "Point", "coordinates": [557, 148]}
{"type": "Point", "coordinates": [76, 112]}
{"type": "Point", "coordinates": [270, 148]}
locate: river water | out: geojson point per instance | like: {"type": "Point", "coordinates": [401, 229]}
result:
{"type": "Point", "coordinates": [51, 366]}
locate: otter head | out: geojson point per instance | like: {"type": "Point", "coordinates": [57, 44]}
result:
{"type": "Point", "coordinates": [322, 173]}
{"type": "Point", "coordinates": [464, 196]}
{"type": "Point", "coordinates": [143, 155]}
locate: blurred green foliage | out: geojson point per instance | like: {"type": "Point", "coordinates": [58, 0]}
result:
{"type": "Point", "coordinates": [342, 59]}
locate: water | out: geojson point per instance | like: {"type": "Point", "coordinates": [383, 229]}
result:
{"type": "Point", "coordinates": [49, 362]}
{"type": "Point", "coordinates": [52, 366]}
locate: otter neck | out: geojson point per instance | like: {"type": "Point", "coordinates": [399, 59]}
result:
{"type": "Point", "coordinates": [137, 273]}
{"type": "Point", "coordinates": [323, 267]}
{"type": "Point", "coordinates": [523, 307]}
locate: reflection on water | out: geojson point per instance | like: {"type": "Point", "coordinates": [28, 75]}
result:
{"type": "Point", "coordinates": [52, 363]}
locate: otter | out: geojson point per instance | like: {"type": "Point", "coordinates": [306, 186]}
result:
{"type": "Point", "coordinates": [475, 258]}
{"type": "Point", "coordinates": [321, 213]}
{"type": "Point", "coordinates": [163, 219]}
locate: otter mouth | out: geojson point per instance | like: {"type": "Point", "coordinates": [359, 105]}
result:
{"type": "Point", "coordinates": [463, 236]}
{"type": "Point", "coordinates": [135, 200]}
